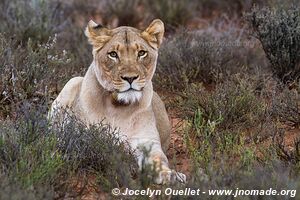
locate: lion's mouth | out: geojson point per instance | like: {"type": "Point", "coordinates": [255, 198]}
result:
{"type": "Point", "coordinates": [130, 90]}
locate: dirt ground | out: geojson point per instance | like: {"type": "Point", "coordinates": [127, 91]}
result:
{"type": "Point", "coordinates": [178, 155]}
{"type": "Point", "coordinates": [177, 152]}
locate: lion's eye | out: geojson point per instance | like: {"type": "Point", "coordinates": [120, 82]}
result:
{"type": "Point", "coordinates": [142, 53]}
{"type": "Point", "coordinates": [113, 54]}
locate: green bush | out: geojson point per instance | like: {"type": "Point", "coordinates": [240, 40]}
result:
{"type": "Point", "coordinates": [28, 152]}
{"type": "Point", "coordinates": [207, 144]}
{"type": "Point", "coordinates": [233, 104]}
{"type": "Point", "coordinates": [224, 132]}
{"type": "Point", "coordinates": [218, 123]}
{"type": "Point", "coordinates": [278, 31]}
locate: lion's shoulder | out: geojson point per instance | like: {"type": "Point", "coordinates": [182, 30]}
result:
{"type": "Point", "coordinates": [70, 92]}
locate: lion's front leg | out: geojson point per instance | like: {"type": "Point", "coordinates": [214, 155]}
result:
{"type": "Point", "coordinates": [146, 136]}
{"type": "Point", "coordinates": [158, 160]}
{"type": "Point", "coordinates": [165, 174]}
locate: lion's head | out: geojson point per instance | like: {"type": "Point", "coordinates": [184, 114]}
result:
{"type": "Point", "coordinates": [125, 58]}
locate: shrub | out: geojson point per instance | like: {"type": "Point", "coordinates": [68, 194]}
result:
{"type": "Point", "coordinates": [261, 177]}
{"type": "Point", "coordinates": [171, 12]}
{"type": "Point", "coordinates": [232, 104]}
{"type": "Point", "coordinates": [219, 122]}
{"type": "Point", "coordinates": [40, 21]}
{"type": "Point", "coordinates": [183, 60]}
{"type": "Point", "coordinates": [27, 72]}
{"type": "Point", "coordinates": [232, 8]}
{"type": "Point", "coordinates": [207, 144]}
{"type": "Point", "coordinates": [74, 42]}
{"type": "Point", "coordinates": [28, 153]}
{"type": "Point", "coordinates": [208, 56]}
{"type": "Point", "coordinates": [127, 13]}
{"type": "Point", "coordinates": [290, 155]}
{"type": "Point", "coordinates": [226, 145]}
{"type": "Point", "coordinates": [35, 19]}
{"type": "Point", "coordinates": [12, 190]}
{"type": "Point", "coordinates": [81, 10]}
{"type": "Point", "coordinates": [227, 124]}
{"type": "Point", "coordinates": [98, 149]}
{"type": "Point", "coordinates": [285, 106]}
{"type": "Point", "coordinates": [32, 153]}
{"type": "Point", "coordinates": [278, 31]}
{"type": "Point", "coordinates": [229, 162]}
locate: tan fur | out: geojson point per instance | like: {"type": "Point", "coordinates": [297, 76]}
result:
{"type": "Point", "coordinates": [108, 92]}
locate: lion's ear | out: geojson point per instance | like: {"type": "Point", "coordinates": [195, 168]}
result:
{"type": "Point", "coordinates": [97, 34]}
{"type": "Point", "coordinates": [154, 33]}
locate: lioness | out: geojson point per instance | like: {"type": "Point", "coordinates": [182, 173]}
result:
{"type": "Point", "coordinates": [117, 88]}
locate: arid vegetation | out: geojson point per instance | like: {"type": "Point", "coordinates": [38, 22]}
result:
{"type": "Point", "coordinates": [228, 73]}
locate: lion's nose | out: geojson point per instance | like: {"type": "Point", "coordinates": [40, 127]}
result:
{"type": "Point", "coordinates": [129, 79]}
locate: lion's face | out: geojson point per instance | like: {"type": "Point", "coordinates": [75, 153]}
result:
{"type": "Point", "coordinates": [125, 58]}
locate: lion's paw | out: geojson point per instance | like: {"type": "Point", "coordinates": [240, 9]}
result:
{"type": "Point", "coordinates": [170, 176]}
